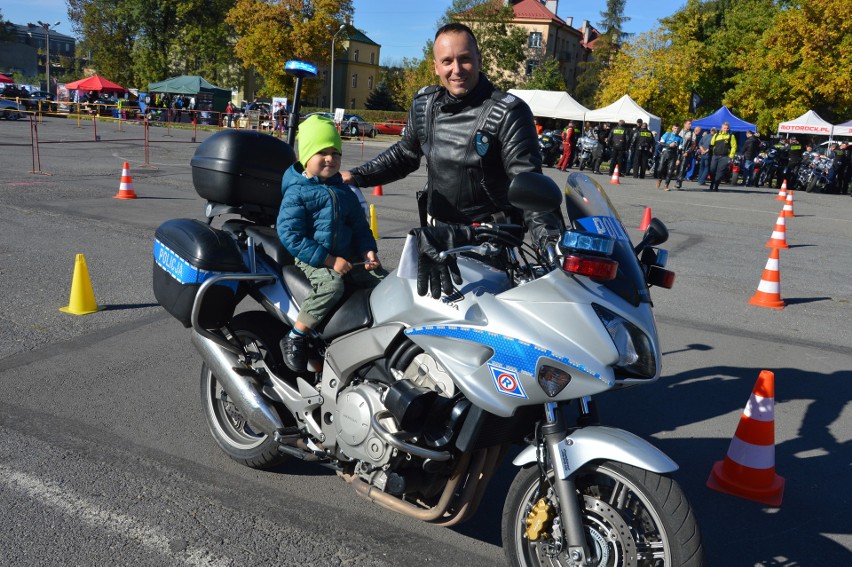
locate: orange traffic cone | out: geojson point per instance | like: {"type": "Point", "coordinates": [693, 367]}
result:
{"type": "Point", "coordinates": [614, 180]}
{"type": "Point", "coordinates": [782, 193]}
{"type": "Point", "coordinates": [787, 211]}
{"type": "Point", "coordinates": [748, 470]}
{"type": "Point", "coordinates": [377, 191]}
{"type": "Point", "coordinates": [125, 189]}
{"type": "Point", "coordinates": [779, 235]}
{"type": "Point", "coordinates": [768, 292]}
{"type": "Point", "coordinates": [646, 219]}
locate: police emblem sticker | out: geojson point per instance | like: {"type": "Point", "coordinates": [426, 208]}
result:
{"type": "Point", "coordinates": [482, 142]}
{"type": "Point", "coordinates": [507, 382]}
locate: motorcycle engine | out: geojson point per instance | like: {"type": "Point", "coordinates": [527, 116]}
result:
{"type": "Point", "coordinates": [358, 402]}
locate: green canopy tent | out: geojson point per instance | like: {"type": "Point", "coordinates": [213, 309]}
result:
{"type": "Point", "coordinates": [207, 95]}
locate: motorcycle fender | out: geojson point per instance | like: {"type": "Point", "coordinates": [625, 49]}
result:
{"type": "Point", "coordinates": [602, 443]}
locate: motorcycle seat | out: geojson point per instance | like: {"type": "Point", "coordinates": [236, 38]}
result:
{"type": "Point", "coordinates": [352, 312]}
{"type": "Point", "coordinates": [267, 239]}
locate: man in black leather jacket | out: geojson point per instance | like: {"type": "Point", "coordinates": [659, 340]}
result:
{"type": "Point", "coordinates": [475, 139]}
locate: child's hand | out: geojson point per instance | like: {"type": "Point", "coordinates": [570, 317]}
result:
{"type": "Point", "coordinates": [341, 265]}
{"type": "Point", "coordinates": [372, 261]}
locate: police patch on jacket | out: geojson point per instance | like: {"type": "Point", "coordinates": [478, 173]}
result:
{"type": "Point", "coordinates": [482, 141]}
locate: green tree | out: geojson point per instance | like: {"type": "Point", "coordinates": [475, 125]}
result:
{"type": "Point", "coordinates": [205, 43]}
{"type": "Point", "coordinates": [546, 77]}
{"type": "Point", "coordinates": [805, 62]}
{"type": "Point", "coordinates": [605, 48]}
{"type": "Point", "coordinates": [381, 99]}
{"type": "Point", "coordinates": [416, 74]}
{"type": "Point", "coordinates": [108, 29]}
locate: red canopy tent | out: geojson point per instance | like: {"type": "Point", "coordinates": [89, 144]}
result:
{"type": "Point", "coordinates": [5, 79]}
{"type": "Point", "coordinates": [95, 83]}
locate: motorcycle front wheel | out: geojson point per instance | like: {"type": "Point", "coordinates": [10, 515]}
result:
{"type": "Point", "coordinates": [631, 518]}
{"type": "Point", "coordinates": [260, 333]}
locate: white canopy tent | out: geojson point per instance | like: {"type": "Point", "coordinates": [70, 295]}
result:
{"type": "Point", "coordinates": [844, 129]}
{"type": "Point", "coordinates": [625, 109]}
{"type": "Point", "coordinates": [808, 123]}
{"type": "Point", "coordinates": [551, 104]}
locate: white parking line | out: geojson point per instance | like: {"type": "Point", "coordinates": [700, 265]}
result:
{"type": "Point", "coordinates": [104, 519]}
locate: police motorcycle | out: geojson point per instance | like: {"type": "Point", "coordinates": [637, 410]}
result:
{"type": "Point", "coordinates": [765, 167]}
{"type": "Point", "coordinates": [550, 146]}
{"type": "Point", "coordinates": [415, 401]}
{"type": "Point", "coordinates": [816, 177]}
{"type": "Point", "coordinates": [589, 148]}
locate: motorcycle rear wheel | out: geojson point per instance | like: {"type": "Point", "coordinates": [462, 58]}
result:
{"type": "Point", "coordinates": [632, 518]}
{"type": "Point", "coordinates": [261, 333]}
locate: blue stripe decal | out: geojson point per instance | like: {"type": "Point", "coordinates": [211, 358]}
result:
{"type": "Point", "coordinates": [509, 352]}
{"type": "Point", "coordinates": [181, 270]}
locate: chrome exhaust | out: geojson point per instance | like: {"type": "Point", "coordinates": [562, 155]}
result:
{"type": "Point", "coordinates": [237, 381]}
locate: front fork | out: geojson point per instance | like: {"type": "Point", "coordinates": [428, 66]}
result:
{"type": "Point", "coordinates": [555, 431]}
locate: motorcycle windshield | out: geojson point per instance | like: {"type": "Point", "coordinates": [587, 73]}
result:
{"type": "Point", "coordinates": [590, 209]}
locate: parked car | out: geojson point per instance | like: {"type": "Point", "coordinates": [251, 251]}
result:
{"type": "Point", "coordinates": [355, 125]}
{"type": "Point", "coordinates": [10, 110]}
{"type": "Point", "coordinates": [47, 99]}
{"type": "Point", "coordinates": [392, 127]}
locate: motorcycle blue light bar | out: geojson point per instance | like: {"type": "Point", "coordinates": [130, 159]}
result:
{"type": "Point", "coordinates": [300, 69]}
{"type": "Point", "coordinates": [587, 242]}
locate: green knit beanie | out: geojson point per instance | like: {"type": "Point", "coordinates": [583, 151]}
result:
{"type": "Point", "coordinates": [315, 134]}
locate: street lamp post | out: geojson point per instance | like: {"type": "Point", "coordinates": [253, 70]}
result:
{"type": "Point", "coordinates": [47, 27]}
{"type": "Point", "coordinates": [331, 86]}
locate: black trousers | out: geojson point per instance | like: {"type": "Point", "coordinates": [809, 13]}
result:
{"type": "Point", "coordinates": [718, 166]}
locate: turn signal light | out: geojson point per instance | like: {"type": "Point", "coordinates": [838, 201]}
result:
{"type": "Point", "coordinates": [594, 267]}
{"type": "Point", "coordinates": [660, 277]}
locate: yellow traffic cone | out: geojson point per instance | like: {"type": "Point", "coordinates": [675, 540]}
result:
{"type": "Point", "coordinates": [82, 300]}
{"type": "Point", "coordinates": [373, 223]}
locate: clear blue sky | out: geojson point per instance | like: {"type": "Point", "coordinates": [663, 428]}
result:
{"type": "Point", "coordinates": [401, 27]}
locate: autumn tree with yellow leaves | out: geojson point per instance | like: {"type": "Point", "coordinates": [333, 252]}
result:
{"type": "Point", "coordinates": [272, 33]}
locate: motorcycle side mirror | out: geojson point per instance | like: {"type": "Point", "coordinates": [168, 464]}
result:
{"type": "Point", "coordinates": [531, 191]}
{"type": "Point", "coordinates": [655, 234]}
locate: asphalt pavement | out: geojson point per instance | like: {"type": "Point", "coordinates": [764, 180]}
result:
{"type": "Point", "coordinates": [105, 457]}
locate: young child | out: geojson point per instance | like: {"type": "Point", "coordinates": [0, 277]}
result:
{"type": "Point", "coordinates": [322, 224]}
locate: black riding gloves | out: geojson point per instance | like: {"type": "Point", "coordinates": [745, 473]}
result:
{"type": "Point", "coordinates": [434, 273]}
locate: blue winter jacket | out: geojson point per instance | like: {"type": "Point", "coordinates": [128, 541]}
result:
{"type": "Point", "coordinates": [321, 219]}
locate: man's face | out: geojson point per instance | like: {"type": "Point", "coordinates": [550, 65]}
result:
{"type": "Point", "coordinates": [687, 125]}
{"type": "Point", "coordinates": [674, 129]}
{"type": "Point", "coordinates": [457, 62]}
{"type": "Point", "coordinates": [725, 128]}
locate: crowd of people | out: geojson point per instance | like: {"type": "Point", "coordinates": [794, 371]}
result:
{"type": "Point", "coordinates": [691, 153]}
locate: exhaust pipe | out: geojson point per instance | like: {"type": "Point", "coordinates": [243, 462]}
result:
{"type": "Point", "coordinates": [238, 382]}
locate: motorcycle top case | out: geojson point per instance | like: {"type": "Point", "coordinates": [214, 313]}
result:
{"type": "Point", "coordinates": [242, 168]}
{"type": "Point", "coordinates": [186, 253]}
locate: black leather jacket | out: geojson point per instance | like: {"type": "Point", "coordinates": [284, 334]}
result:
{"type": "Point", "coordinates": [468, 172]}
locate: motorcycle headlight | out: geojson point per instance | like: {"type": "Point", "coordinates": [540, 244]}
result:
{"type": "Point", "coordinates": [635, 353]}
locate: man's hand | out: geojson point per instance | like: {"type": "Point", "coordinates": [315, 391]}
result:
{"type": "Point", "coordinates": [347, 177]}
{"type": "Point", "coordinates": [434, 273]}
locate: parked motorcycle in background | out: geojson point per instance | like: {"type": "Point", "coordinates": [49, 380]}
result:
{"type": "Point", "coordinates": [550, 146]}
{"type": "Point", "coordinates": [765, 167]}
{"type": "Point", "coordinates": [817, 177]}
{"type": "Point", "coordinates": [587, 146]}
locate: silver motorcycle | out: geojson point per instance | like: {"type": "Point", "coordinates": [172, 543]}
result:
{"type": "Point", "coordinates": [416, 401]}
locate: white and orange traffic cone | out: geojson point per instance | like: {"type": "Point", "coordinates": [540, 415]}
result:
{"type": "Point", "coordinates": [782, 193]}
{"type": "Point", "coordinates": [787, 211]}
{"type": "Point", "coordinates": [779, 234]}
{"type": "Point", "coordinates": [748, 470]}
{"type": "Point", "coordinates": [614, 180]}
{"type": "Point", "coordinates": [768, 292]}
{"type": "Point", "coordinates": [125, 188]}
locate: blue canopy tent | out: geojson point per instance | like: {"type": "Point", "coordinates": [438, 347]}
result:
{"type": "Point", "coordinates": [716, 119]}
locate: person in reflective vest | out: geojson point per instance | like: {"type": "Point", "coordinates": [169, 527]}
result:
{"type": "Point", "coordinates": [617, 144]}
{"type": "Point", "coordinates": [723, 147]}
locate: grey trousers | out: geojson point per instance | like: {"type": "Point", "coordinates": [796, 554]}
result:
{"type": "Point", "coordinates": [328, 288]}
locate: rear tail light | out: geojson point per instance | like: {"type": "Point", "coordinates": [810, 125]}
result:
{"type": "Point", "coordinates": [660, 277]}
{"type": "Point", "coordinates": [594, 267]}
